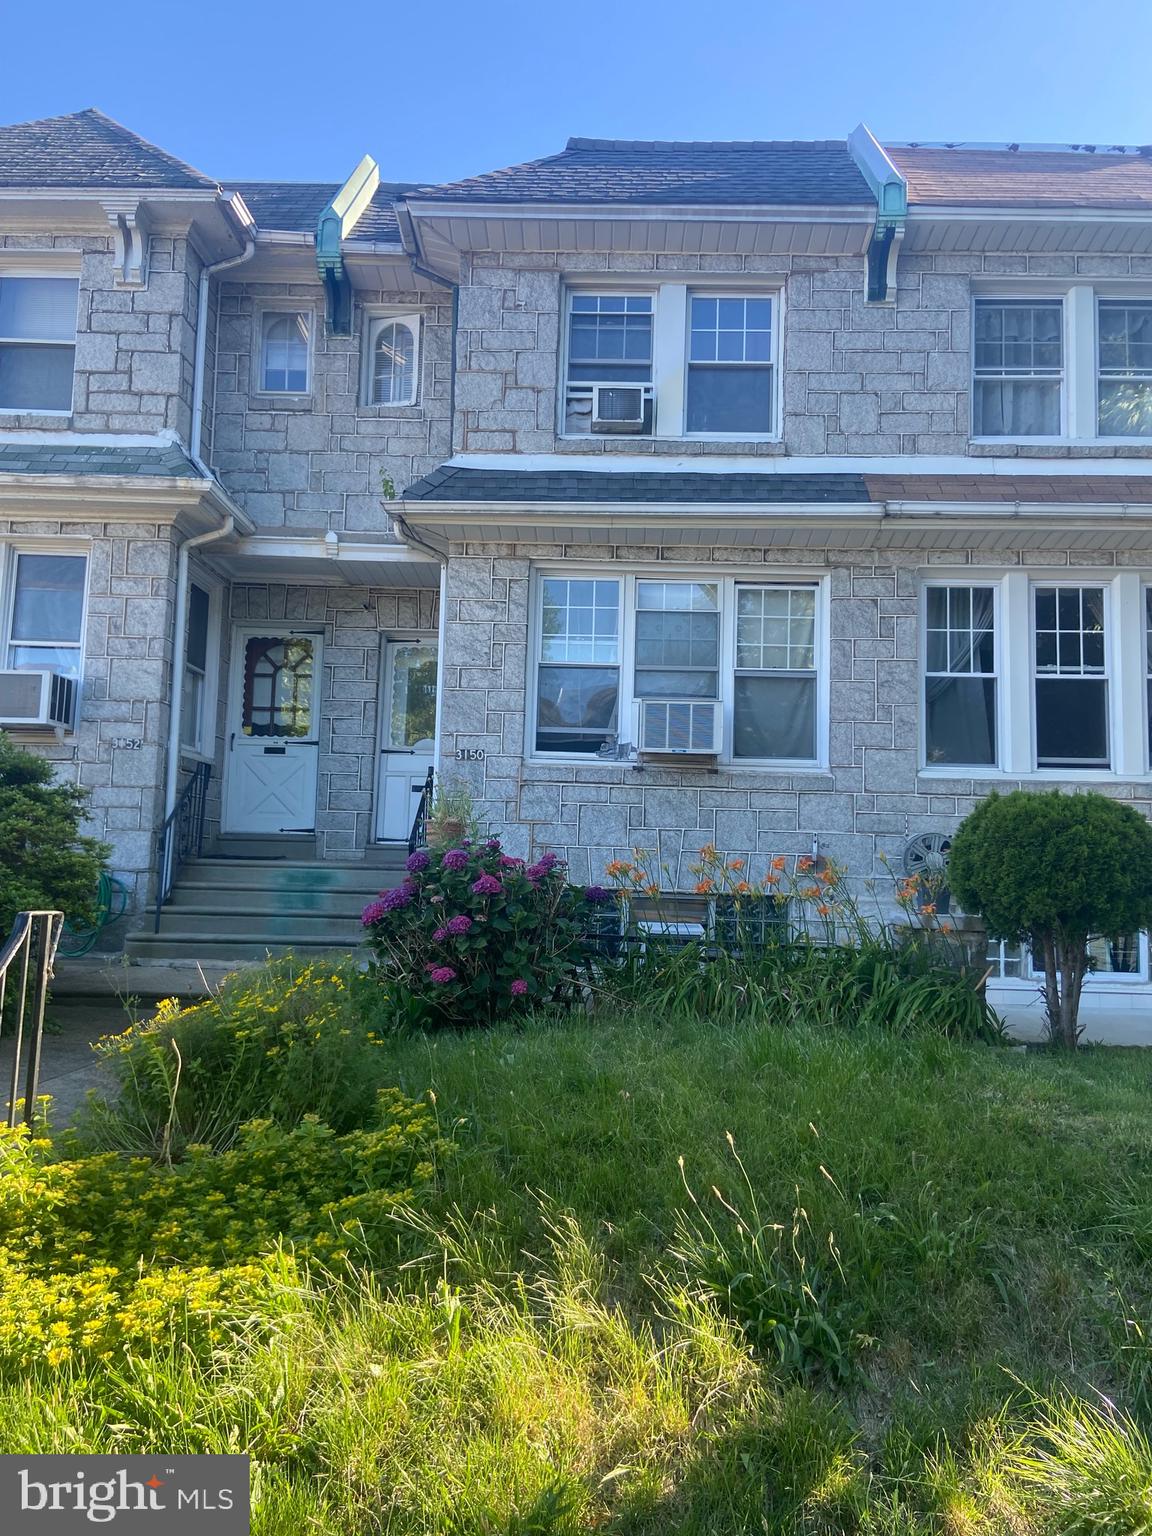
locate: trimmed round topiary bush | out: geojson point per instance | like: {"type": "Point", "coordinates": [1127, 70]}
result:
{"type": "Point", "coordinates": [1052, 870]}
{"type": "Point", "coordinates": [473, 933]}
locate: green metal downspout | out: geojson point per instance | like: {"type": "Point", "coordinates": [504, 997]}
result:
{"type": "Point", "coordinates": [337, 220]}
{"type": "Point", "coordinates": [891, 193]}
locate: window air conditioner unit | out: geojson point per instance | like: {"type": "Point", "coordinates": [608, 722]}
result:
{"type": "Point", "coordinates": [618, 407]}
{"type": "Point", "coordinates": [681, 727]}
{"type": "Point", "coordinates": [36, 698]}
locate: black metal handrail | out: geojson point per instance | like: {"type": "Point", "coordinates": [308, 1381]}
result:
{"type": "Point", "coordinates": [418, 837]}
{"type": "Point", "coordinates": [26, 959]}
{"type": "Point", "coordinates": [182, 835]}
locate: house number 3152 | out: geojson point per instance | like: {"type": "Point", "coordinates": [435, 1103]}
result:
{"type": "Point", "coordinates": [470, 754]}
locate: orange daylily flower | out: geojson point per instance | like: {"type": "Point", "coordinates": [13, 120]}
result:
{"type": "Point", "coordinates": [804, 862]}
{"type": "Point", "coordinates": [771, 879]}
{"type": "Point", "coordinates": [779, 862]}
{"type": "Point", "coordinates": [743, 888]}
{"type": "Point", "coordinates": [736, 865]}
{"type": "Point", "coordinates": [652, 890]}
{"type": "Point", "coordinates": [704, 887]}
{"type": "Point", "coordinates": [823, 909]}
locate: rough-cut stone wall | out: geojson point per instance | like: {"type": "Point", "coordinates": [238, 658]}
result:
{"type": "Point", "coordinates": [354, 621]}
{"type": "Point", "coordinates": [857, 378]}
{"type": "Point", "coordinates": [118, 750]}
{"type": "Point", "coordinates": [862, 809]}
{"type": "Point", "coordinates": [317, 463]}
{"type": "Point", "coordinates": [135, 348]}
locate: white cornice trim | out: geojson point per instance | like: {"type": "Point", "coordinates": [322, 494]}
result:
{"type": "Point", "coordinates": [1004, 213]}
{"type": "Point", "coordinates": [907, 466]}
{"type": "Point", "coordinates": [849, 213]}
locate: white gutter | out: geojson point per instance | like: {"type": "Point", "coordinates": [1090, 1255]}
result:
{"type": "Point", "coordinates": [206, 275]}
{"type": "Point", "coordinates": [179, 640]}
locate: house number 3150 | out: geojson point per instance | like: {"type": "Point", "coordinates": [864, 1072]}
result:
{"type": "Point", "coordinates": [470, 754]}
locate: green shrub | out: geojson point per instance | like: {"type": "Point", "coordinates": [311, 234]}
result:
{"type": "Point", "coordinates": [45, 862]}
{"type": "Point", "coordinates": [1052, 870]}
{"type": "Point", "coordinates": [276, 1042]}
{"type": "Point", "coordinates": [472, 933]}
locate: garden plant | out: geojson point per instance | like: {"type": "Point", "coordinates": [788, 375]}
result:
{"type": "Point", "coordinates": [1052, 870]}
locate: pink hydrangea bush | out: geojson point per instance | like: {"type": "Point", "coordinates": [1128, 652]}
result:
{"type": "Point", "coordinates": [473, 933]}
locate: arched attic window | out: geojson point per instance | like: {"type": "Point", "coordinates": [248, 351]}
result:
{"type": "Point", "coordinates": [393, 360]}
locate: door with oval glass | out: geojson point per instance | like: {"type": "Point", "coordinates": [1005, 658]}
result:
{"type": "Point", "coordinates": [407, 734]}
{"type": "Point", "coordinates": [273, 732]}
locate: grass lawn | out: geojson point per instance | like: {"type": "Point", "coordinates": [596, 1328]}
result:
{"type": "Point", "coordinates": [687, 1279]}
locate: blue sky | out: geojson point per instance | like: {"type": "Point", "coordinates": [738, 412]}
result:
{"type": "Point", "coordinates": [299, 91]}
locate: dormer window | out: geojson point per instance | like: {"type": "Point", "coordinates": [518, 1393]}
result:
{"type": "Point", "coordinates": [37, 342]}
{"type": "Point", "coordinates": [393, 360]}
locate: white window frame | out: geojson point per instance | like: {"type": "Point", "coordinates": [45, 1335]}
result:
{"type": "Point", "coordinates": [628, 703]}
{"type": "Point", "coordinates": [1039, 296]}
{"type": "Point", "coordinates": [670, 348]}
{"type": "Point", "coordinates": [1076, 584]}
{"type": "Point", "coordinates": [9, 555]}
{"type": "Point", "coordinates": [1032, 974]}
{"type": "Point", "coordinates": [374, 322]}
{"type": "Point", "coordinates": [1080, 389]}
{"type": "Point", "coordinates": [973, 579]}
{"type": "Point", "coordinates": [1102, 296]}
{"type": "Point", "coordinates": [284, 310]}
{"type": "Point", "coordinates": [1125, 650]}
{"type": "Point", "coordinates": [205, 749]}
{"type": "Point", "coordinates": [70, 270]}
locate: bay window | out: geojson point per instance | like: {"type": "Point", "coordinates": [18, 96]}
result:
{"type": "Point", "coordinates": [1071, 679]}
{"type": "Point", "coordinates": [1124, 331]}
{"type": "Point", "coordinates": [1018, 362]}
{"type": "Point", "coordinates": [605, 644]}
{"type": "Point", "coordinates": [960, 675]}
{"type": "Point", "coordinates": [37, 342]}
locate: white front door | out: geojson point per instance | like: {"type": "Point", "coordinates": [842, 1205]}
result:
{"type": "Point", "coordinates": [273, 732]}
{"type": "Point", "coordinates": [407, 734]}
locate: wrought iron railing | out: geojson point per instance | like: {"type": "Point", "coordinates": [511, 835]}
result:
{"type": "Point", "coordinates": [25, 970]}
{"type": "Point", "coordinates": [418, 837]}
{"type": "Point", "coordinates": [182, 835]}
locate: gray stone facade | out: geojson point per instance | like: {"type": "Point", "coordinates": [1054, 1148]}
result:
{"type": "Point", "coordinates": [354, 622]}
{"type": "Point", "coordinates": [135, 348]}
{"type": "Point", "coordinates": [319, 462]}
{"type": "Point", "coordinates": [861, 810]}
{"type": "Point", "coordinates": [857, 378]}
{"type": "Point", "coordinates": [118, 749]}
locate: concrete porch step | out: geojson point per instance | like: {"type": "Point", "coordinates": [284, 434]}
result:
{"type": "Point", "coordinates": [306, 901]}
{"type": "Point", "coordinates": [258, 875]}
{"type": "Point", "coordinates": [210, 947]}
{"type": "Point", "coordinates": [285, 925]}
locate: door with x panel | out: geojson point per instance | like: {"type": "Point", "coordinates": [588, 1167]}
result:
{"type": "Point", "coordinates": [274, 732]}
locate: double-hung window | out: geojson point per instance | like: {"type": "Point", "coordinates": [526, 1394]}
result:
{"type": "Point", "coordinates": [729, 365]}
{"type": "Point", "coordinates": [609, 362]}
{"type": "Point", "coordinates": [285, 348]}
{"type": "Point", "coordinates": [1071, 679]}
{"type": "Point", "coordinates": [193, 725]}
{"type": "Point", "coordinates": [578, 681]}
{"type": "Point", "coordinates": [45, 632]}
{"type": "Point", "coordinates": [37, 342]}
{"type": "Point", "coordinates": [1018, 358]}
{"type": "Point", "coordinates": [774, 689]}
{"type": "Point", "coordinates": [1124, 331]}
{"type": "Point", "coordinates": [607, 644]}
{"type": "Point", "coordinates": [960, 675]}
{"type": "Point", "coordinates": [677, 640]}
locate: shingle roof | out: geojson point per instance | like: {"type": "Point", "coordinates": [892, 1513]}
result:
{"type": "Point", "coordinates": [169, 463]}
{"type": "Point", "coordinates": [1112, 489]}
{"type": "Point", "coordinates": [1024, 178]}
{"type": "Point", "coordinates": [297, 205]}
{"type": "Point", "coordinates": [87, 149]}
{"type": "Point", "coordinates": [451, 483]}
{"type": "Point", "coordinates": [816, 172]}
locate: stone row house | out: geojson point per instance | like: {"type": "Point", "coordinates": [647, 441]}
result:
{"type": "Point", "coordinates": [786, 496]}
